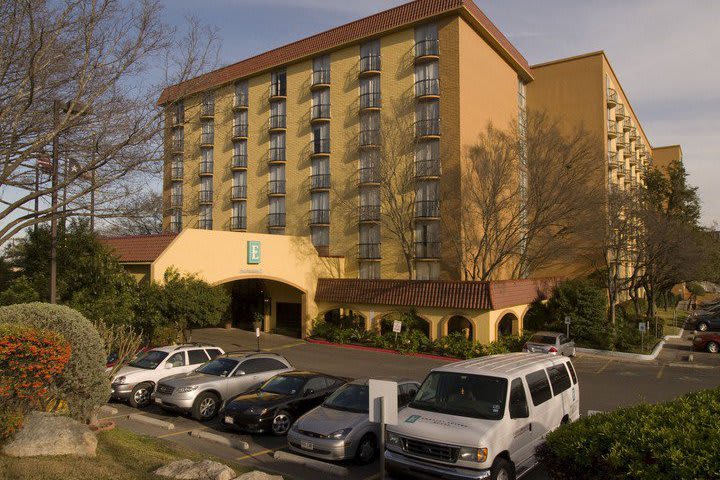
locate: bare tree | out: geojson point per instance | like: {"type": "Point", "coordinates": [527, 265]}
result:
{"type": "Point", "coordinates": [530, 197]}
{"type": "Point", "coordinates": [76, 71]}
{"type": "Point", "coordinates": [143, 216]}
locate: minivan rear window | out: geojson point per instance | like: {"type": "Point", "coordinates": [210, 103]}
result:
{"type": "Point", "coordinates": [559, 378]}
{"type": "Point", "coordinates": [539, 387]}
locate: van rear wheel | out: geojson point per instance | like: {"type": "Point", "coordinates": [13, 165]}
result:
{"type": "Point", "coordinates": [502, 470]}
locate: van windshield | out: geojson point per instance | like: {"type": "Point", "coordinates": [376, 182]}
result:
{"type": "Point", "coordinates": [474, 396]}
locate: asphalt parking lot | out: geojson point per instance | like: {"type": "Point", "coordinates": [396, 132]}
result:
{"type": "Point", "coordinates": [605, 384]}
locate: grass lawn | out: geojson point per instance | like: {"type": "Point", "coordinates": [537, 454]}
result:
{"type": "Point", "coordinates": [121, 454]}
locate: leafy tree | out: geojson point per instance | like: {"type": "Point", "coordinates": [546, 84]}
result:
{"type": "Point", "coordinates": [670, 193]}
{"type": "Point", "coordinates": [19, 290]}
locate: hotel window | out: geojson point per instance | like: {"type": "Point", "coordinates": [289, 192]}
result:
{"type": "Point", "coordinates": [321, 138]}
{"type": "Point", "coordinates": [320, 213]}
{"type": "Point", "coordinates": [321, 173]}
{"type": "Point", "coordinates": [178, 139]}
{"type": "Point", "coordinates": [321, 103]}
{"type": "Point", "coordinates": [277, 115]}
{"type": "Point", "coordinates": [321, 70]}
{"type": "Point", "coordinates": [177, 113]}
{"type": "Point", "coordinates": [240, 154]}
{"type": "Point", "coordinates": [240, 124]}
{"type": "Point", "coordinates": [370, 96]}
{"type": "Point", "coordinates": [277, 147]}
{"type": "Point", "coordinates": [177, 168]}
{"type": "Point", "coordinates": [205, 221]}
{"type": "Point", "coordinates": [426, 40]}
{"type": "Point", "coordinates": [277, 212]}
{"type": "Point", "coordinates": [208, 133]}
{"type": "Point", "coordinates": [427, 115]}
{"type": "Point", "coordinates": [239, 216]}
{"type": "Point", "coordinates": [370, 129]}
{"type": "Point", "coordinates": [427, 159]}
{"type": "Point", "coordinates": [370, 56]}
{"type": "Point", "coordinates": [241, 94]}
{"type": "Point", "coordinates": [277, 180]}
{"type": "Point", "coordinates": [278, 83]}
{"type": "Point", "coordinates": [369, 166]}
{"type": "Point", "coordinates": [206, 165]}
{"type": "Point", "coordinates": [426, 79]}
{"type": "Point", "coordinates": [369, 251]}
{"type": "Point", "coordinates": [208, 104]}
{"type": "Point", "coordinates": [239, 184]}
{"type": "Point", "coordinates": [176, 221]}
{"type": "Point", "coordinates": [176, 195]}
{"type": "Point", "coordinates": [426, 200]}
{"type": "Point", "coordinates": [206, 187]}
{"type": "Point", "coordinates": [427, 247]}
{"type": "Point", "coordinates": [320, 237]}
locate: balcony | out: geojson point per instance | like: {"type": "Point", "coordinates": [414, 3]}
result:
{"type": "Point", "coordinates": [319, 217]}
{"type": "Point", "coordinates": [621, 169]}
{"type": "Point", "coordinates": [427, 50]}
{"type": "Point", "coordinates": [427, 128]}
{"type": "Point", "coordinates": [620, 143]}
{"type": "Point", "coordinates": [320, 113]}
{"type": "Point", "coordinates": [612, 129]}
{"type": "Point", "coordinates": [205, 197]}
{"type": "Point", "coordinates": [369, 251]}
{"type": "Point", "coordinates": [612, 97]}
{"type": "Point", "coordinates": [369, 213]}
{"type": "Point", "coordinates": [278, 91]}
{"type": "Point", "coordinates": [321, 147]}
{"type": "Point", "coordinates": [370, 101]}
{"type": "Point", "coordinates": [238, 223]}
{"type": "Point", "coordinates": [370, 137]}
{"type": "Point", "coordinates": [278, 122]}
{"type": "Point", "coordinates": [205, 224]}
{"type": "Point", "coordinates": [239, 161]}
{"type": "Point", "coordinates": [277, 154]}
{"type": "Point", "coordinates": [370, 64]}
{"type": "Point", "coordinates": [627, 153]}
{"type": "Point", "coordinates": [206, 168]}
{"type": "Point", "coordinates": [427, 250]}
{"type": "Point", "coordinates": [207, 139]}
{"type": "Point", "coordinates": [207, 110]}
{"type": "Point", "coordinates": [276, 220]}
{"type": "Point", "coordinates": [369, 176]}
{"type": "Point", "coordinates": [176, 201]}
{"type": "Point", "coordinates": [276, 187]}
{"type": "Point", "coordinates": [240, 101]}
{"type": "Point", "coordinates": [240, 132]}
{"type": "Point", "coordinates": [178, 145]}
{"type": "Point", "coordinates": [320, 181]}
{"type": "Point", "coordinates": [428, 88]}
{"type": "Point", "coordinates": [633, 160]}
{"type": "Point", "coordinates": [177, 119]}
{"type": "Point", "coordinates": [633, 134]}
{"type": "Point", "coordinates": [627, 125]}
{"type": "Point", "coordinates": [238, 192]}
{"type": "Point", "coordinates": [429, 209]}
{"type": "Point", "coordinates": [320, 79]}
{"type": "Point", "coordinates": [612, 159]}
{"type": "Point", "coordinates": [176, 173]}
{"type": "Point", "coordinates": [427, 169]}
{"type": "Point", "coordinates": [620, 112]}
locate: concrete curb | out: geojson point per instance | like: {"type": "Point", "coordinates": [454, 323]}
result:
{"type": "Point", "coordinates": [226, 441]}
{"type": "Point", "coordinates": [633, 356]}
{"type": "Point", "coordinates": [312, 463]}
{"type": "Point", "coordinates": [109, 410]}
{"type": "Point", "coordinates": [152, 421]}
{"type": "Point", "coordinates": [691, 365]}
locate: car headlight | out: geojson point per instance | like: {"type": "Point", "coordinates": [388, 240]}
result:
{"type": "Point", "coordinates": [295, 427]}
{"type": "Point", "coordinates": [118, 380]}
{"type": "Point", "coordinates": [393, 439]}
{"type": "Point", "coordinates": [473, 454]}
{"type": "Point", "coordinates": [340, 434]}
{"type": "Point", "coordinates": [255, 411]}
{"type": "Point", "coordinates": [187, 389]}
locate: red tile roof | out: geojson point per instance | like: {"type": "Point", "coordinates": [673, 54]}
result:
{"type": "Point", "coordinates": [139, 248]}
{"type": "Point", "coordinates": [386, 21]}
{"type": "Point", "coordinates": [432, 293]}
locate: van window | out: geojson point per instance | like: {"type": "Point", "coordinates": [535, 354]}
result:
{"type": "Point", "coordinates": [464, 395]}
{"type": "Point", "coordinates": [559, 378]}
{"type": "Point", "coordinates": [539, 387]}
{"type": "Point", "coordinates": [572, 372]}
{"type": "Point", "coordinates": [518, 400]}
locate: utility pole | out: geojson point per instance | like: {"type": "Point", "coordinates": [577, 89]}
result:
{"type": "Point", "coordinates": [92, 200]}
{"type": "Point", "coordinates": [54, 195]}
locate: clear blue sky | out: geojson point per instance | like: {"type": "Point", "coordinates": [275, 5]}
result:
{"type": "Point", "coordinates": [660, 49]}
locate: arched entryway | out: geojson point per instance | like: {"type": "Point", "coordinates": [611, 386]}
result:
{"type": "Point", "coordinates": [508, 325]}
{"type": "Point", "coordinates": [410, 321]}
{"type": "Point", "coordinates": [344, 318]}
{"type": "Point", "coordinates": [460, 324]}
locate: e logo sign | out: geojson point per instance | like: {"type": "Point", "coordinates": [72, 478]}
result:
{"type": "Point", "coordinates": [253, 253]}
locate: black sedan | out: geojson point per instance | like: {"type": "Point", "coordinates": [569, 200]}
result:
{"type": "Point", "coordinates": [703, 323]}
{"type": "Point", "coordinates": [275, 406]}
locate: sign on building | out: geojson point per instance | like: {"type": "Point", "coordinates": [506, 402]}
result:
{"type": "Point", "coordinates": [253, 252]}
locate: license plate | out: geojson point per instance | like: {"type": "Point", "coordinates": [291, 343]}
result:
{"type": "Point", "coordinates": [306, 445]}
{"type": "Point", "coordinates": [158, 401]}
{"type": "Point", "coordinates": [229, 420]}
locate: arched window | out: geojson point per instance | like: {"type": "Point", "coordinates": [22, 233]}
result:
{"type": "Point", "coordinates": [507, 325]}
{"type": "Point", "coordinates": [462, 325]}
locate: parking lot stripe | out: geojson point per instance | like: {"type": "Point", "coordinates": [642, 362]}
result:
{"type": "Point", "coordinates": [602, 369]}
{"type": "Point", "coordinates": [181, 432]}
{"type": "Point", "coordinates": [289, 345]}
{"type": "Point", "coordinates": [659, 375]}
{"type": "Point", "coordinates": [256, 454]}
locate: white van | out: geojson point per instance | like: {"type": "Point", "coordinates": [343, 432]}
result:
{"type": "Point", "coordinates": [483, 418]}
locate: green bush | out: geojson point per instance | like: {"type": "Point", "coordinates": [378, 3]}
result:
{"type": "Point", "coordinates": [696, 289]}
{"type": "Point", "coordinates": [587, 307]}
{"type": "Point", "coordinates": [457, 345]}
{"type": "Point", "coordinates": [672, 441]}
{"type": "Point", "coordinates": [83, 384]}
{"type": "Point", "coordinates": [20, 290]}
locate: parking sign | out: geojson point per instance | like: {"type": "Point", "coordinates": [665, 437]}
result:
{"type": "Point", "coordinates": [397, 326]}
{"type": "Point", "coordinates": [642, 326]}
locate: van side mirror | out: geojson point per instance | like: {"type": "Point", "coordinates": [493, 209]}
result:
{"type": "Point", "coordinates": [308, 392]}
{"type": "Point", "coordinates": [168, 365]}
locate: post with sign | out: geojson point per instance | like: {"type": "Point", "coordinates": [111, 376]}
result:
{"type": "Point", "coordinates": [383, 410]}
{"type": "Point", "coordinates": [257, 324]}
{"type": "Point", "coordinates": [567, 325]}
{"type": "Point", "coordinates": [642, 326]}
{"type": "Point", "coordinates": [397, 327]}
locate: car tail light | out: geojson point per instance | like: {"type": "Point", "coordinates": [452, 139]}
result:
{"type": "Point", "coordinates": [552, 350]}
{"type": "Point", "coordinates": [525, 349]}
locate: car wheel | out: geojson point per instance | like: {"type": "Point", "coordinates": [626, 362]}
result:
{"type": "Point", "coordinates": [502, 470]}
{"type": "Point", "coordinates": [281, 423]}
{"type": "Point", "coordinates": [702, 327]}
{"type": "Point", "coordinates": [140, 395]}
{"type": "Point", "coordinates": [712, 347]}
{"type": "Point", "coordinates": [366, 450]}
{"type": "Point", "coordinates": [205, 407]}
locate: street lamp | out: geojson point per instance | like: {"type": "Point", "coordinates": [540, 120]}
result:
{"type": "Point", "coordinates": [58, 107]}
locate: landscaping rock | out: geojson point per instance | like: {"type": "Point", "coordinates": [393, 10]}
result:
{"type": "Point", "coordinates": [45, 434]}
{"type": "Point", "coordinates": [189, 470]}
{"type": "Point", "coordinates": [258, 475]}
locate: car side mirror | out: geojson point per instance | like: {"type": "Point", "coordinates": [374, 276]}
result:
{"type": "Point", "coordinates": [240, 373]}
{"type": "Point", "coordinates": [168, 365]}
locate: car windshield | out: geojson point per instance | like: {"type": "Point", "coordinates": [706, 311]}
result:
{"type": "Point", "coordinates": [149, 360]}
{"type": "Point", "coordinates": [350, 398]}
{"type": "Point", "coordinates": [474, 396]}
{"type": "Point", "coordinates": [542, 339]}
{"type": "Point", "coordinates": [284, 385]}
{"type": "Point", "coordinates": [220, 367]}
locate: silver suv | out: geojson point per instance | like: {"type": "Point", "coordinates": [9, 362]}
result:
{"type": "Point", "coordinates": [203, 391]}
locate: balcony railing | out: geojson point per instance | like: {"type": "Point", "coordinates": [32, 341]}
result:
{"type": "Point", "coordinates": [427, 127]}
{"type": "Point", "coordinates": [621, 169]}
{"type": "Point", "coordinates": [429, 87]}
{"type": "Point", "coordinates": [177, 119]}
{"type": "Point", "coordinates": [320, 78]}
{"type": "Point", "coordinates": [633, 134]}
{"type": "Point", "coordinates": [369, 176]}
{"type": "Point", "coordinates": [612, 159]}
{"type": "Point", "coordinates": [620, 112]}
{"type": "Point", "coordinates": [427, 168]}
{"type": "Point", "coordinates": [612, 97]}
{"type": "Point", "coordinates": [278, 121]}
{"type": "Point", "coordinates": [276, 220]}
{"type": "Point", "coordinates": [178, 145]}
{"type": "Point", "coordinates": [276, 187]}
{"type": "Point", "coordinates": [370, 100]}
{"type": "Point", "coordinates": [612, 129]}
{"type": "Point", "coordinates": [369, 213]}
{"type": "Point", "coordinates": [176, 201]}
{"type": "Point", "coordinates": [207, 110]}
{"type": "Point", "coordinates": [240, 101]}
{"type": "Point", "coordinates": [320, 217]}
{"type": "Point", "coordinates": [369, 251]}
{"type": "Point", "coordinates": [278, 90]}
{"type": "Point", "coordinates": [370, 63]}
{"type": "Point", "coordinates": [206, 168]}
{"type": "Point", "coordinates": [320, 181]}
{"type": "Point", "coordinates": [320, 112]}
{"type": "Point", "coordinates": [205, 224]}
{"type": "Point", "coordinates": [427, 48]}
{"type": "Point", "coordinates": [205, 197]}
{"type": "Point", "coordinates": [240, 131]}
{"type": "Point", "coordinates": [427, 209]}
{"type": "Point", "coordinates": [321, 146]}
{"type": "Point", "coordinates": [238, 192]}
{"type": "Point", "coordinates": [207, 139]}
{"type": "Point", "coordinates": [277, 154]}
{"type": "Point", "coordinates": [239, 160]}
{"type": "Point", "coordinates": [620, 142]}
{"type": "Point", "coordinates": [176, 172]}
{"type": "Point", "coordinates": [370, 137]}
{"type": "Point", "coordinates": [427, 250]}
{"type": "Point", "coordinates": [238, 223]}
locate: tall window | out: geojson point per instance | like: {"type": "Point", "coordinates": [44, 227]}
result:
{"type": "Point", "coordinates": [321, 69]}
{"type": "Point", "coordinates": [277, 212]}
{"type": "Point", "coordinates": [208, 132]}
{"type": "Point", "coordinates": [239, 215]}
{"type": "Point", "coordinates": [370, 92]}
{"type": "Point", "coordinates": [277, 146]}
{"type": "Point", "coordinates": [240, 181]}
{"type": "Point", "coordinates": [277, 114]}
{"type": "Point", "coordinates": [277, 179]}
{"type": "Point", "coordinates": [240, 153]}
{"type": "Point", "coordinates": [426, 40]}
{"type": "Point", "coordinates": [427, 158]}
{"type": "Point", "coordinates": [240, 123]}
{"type": "Point", "coordinates": [177, 113]}
{"type": "Point", "coordinates": [208, 104]}
{"type": "Point", "coordinates": [370, 56]}
{"type": "Point", "coordinates": [278, 83]}
{"type": "Point", "coordinates": [176, 195]}
{"type": "Point", "coordinates": [206, 185]}
{"type": "Point", "coordinates": [426, 79]}
{"type": "Point", "coordinates": [321, 103]}
{"type": "Point", "coordinates": [321, 138]}
{"type": "Point", "coordinates": [205, 217]}
{"type": "Point", "coordinates": [241, 94]}
{"type": "Point", "coordinates": [176, 221]}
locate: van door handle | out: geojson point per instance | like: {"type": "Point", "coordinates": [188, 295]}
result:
{"type": "Point", "coordinates": [530, 426]}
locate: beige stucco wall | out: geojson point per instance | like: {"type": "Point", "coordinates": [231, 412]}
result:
{"type": "Point", "coordinates": [664, 156]}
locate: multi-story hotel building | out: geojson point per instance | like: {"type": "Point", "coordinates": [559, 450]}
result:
{"type": "Point", "coordinates": [279, 152]}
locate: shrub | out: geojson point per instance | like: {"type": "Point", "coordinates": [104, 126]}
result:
{"type": "Point", "coordinates": [83, 384]}
{"type": "Point", "coordinates": [587, 306]}
{"type": "Point", "coordinates": [19, 290]}
{"type": "Point", "coordinates": [696, 289]}
{"type": "Point", "coordinates": [457, 345]}
{"type": "Point", "coordinates": [672, 441]}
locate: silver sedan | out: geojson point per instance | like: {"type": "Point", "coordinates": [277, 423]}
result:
{"type": "Point", "coordinates": [550, 342]}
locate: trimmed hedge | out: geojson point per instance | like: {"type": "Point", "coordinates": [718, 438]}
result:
{"type": "Point", "coordinates": [83, 384]}
{"type": "Point", "coordinates": [677, 440]}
